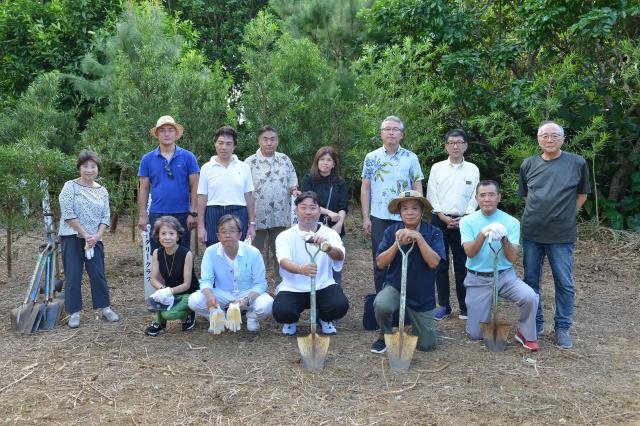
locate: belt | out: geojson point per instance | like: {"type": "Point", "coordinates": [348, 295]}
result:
{"type": "Point", "coordinates": [487, 274]}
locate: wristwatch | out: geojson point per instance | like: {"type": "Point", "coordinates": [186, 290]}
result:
{"type": "Point", "coordinates": [325, 246]}
{"type": "Point", "coordinates": [252, 223]}
{"type": "Point", "coordinates": [193, 214]}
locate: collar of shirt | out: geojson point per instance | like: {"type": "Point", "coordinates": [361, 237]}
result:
{"type": "Point", "coordinates": [240, 250]}
{"type": "Point", "coordinates": [454, 165]}
{"type": "Point", "coordinates": [399, 151]}
{"type": "Point", "coordinates": [234, 158]}
{"type": "Point", "coordinates": [176, 152]}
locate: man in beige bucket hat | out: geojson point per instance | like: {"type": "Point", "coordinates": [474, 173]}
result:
{"type": "Point", "coordinates": [170, 174]}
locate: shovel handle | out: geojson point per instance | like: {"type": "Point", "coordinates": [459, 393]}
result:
{"type": "Point", "coordinates": [403, 285]}
{"type": "Point", "coordinates": [312, 288]}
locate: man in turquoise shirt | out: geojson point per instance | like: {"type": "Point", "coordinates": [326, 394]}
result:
{"type": "Point", "coordinates": [483, 233]}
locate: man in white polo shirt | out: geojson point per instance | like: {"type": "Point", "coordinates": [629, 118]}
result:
{"type": "Point", "coordinates": [451, 192]}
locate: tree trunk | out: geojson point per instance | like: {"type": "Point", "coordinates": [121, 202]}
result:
{"type": "Point", "coordinates": [114, 223]}
{"type": "Point", "coordinates": [9, 251]}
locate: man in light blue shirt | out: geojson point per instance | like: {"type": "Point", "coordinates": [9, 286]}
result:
{"type": "Point", "coordinates": [387, 171]}
{"type": "Point", "coordinates": [483, 234]}
{"type": "Point", "coordinates": [233, 271]}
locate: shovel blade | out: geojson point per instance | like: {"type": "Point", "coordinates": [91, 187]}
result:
{"type": "Point", "coordinates": [495, 335]}
{"type": "Point", "coordinates": [24, 318]}
{"type": "Point", "coordinates": [313, 349]}
{"type": "Point", "coordinates": [400, 348]}
{"type": "Point", "coordinates": [52, 314]}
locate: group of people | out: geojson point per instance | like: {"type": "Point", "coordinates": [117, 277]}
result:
{"type": "Point", "coordinates": [230, 201]}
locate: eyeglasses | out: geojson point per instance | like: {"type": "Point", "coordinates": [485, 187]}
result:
{"type": "Point", "coordinates": [455, 143]}
{"type": "Point", "coordinates": [168, 170]}
{"type": "Point", "coordinates": [552, 136]}
{"type": "Point", "coordinates": [391, 129]}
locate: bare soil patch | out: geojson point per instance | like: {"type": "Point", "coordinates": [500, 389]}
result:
{"type": "Point", "coordinates": [113, 373]}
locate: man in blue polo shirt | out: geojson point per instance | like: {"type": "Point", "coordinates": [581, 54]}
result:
{"type": "Point", "coordinates": [484, 233]}
{"type": "Point", "coordinates": [170, 174]}
{"type": "Point", "coordinates": [421, 273]}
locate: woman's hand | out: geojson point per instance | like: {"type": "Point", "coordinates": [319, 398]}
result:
{"type": "Point", "coordinates": [91, 240]}
{"type": "Point", "coordinates": [337, 227]}
{"type": "Point", "coordinates": [333, 216]}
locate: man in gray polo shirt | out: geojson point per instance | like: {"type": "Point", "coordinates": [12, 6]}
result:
{"type": "Point", "coordinates": [555, 185]}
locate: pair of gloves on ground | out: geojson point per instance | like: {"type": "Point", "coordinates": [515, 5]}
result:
{"type": "Point", "coordinates": [494, 231]}
{"type": "Point", "coordinates": [218, 321]}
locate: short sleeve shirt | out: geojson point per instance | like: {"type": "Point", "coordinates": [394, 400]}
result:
{"type": "Point", "coordinates": [551, 188]}
{"type": "Point", "coordinates": [389, 175]}
{"type": "Point", "coordinates": [225, 186]}
{"type": "Point", "coordinates": [420, 277]}
{"type": "Point", "coordinates": [470, 227]}
{"type": "Point", "coordinates": [90, 205]}
{"type": "Point", "coordinates": [272, 179]}
{"type": "Point", "coordinates": [169, 193]}
{"type": "Point", "coordinates": [290, 245]}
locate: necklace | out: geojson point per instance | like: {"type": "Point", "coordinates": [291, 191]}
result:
{"type": "Point", "coordinates": [166, 264]}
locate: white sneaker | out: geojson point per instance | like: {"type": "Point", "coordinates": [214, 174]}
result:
{"type": "Point", "coordinates": [109, 315]}
{"type": "Point", "coordinates": [328, 328]}
{"type": "Point", "coordinates": [74, 320]}
{"type": "Point", "coordinates": [290, 329]}
{"type": "Point", "coordinates": [253, 324]}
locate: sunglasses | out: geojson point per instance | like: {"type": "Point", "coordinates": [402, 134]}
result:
{"type": "Point", "coordinates": [168, 170]}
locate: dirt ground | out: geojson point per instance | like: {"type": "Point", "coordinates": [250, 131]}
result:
{"type": "Point", "coordinates": [112, 373]}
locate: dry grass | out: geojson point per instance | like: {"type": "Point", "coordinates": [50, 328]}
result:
{"type": "Point", "coordinates": [112, 373]}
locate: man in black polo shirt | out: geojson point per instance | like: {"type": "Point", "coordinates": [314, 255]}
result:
{"type": "Point", "coordinates": [421, 271]}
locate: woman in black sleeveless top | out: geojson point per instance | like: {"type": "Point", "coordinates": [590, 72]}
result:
{"type": "Point", "coordinates": [173, 276]}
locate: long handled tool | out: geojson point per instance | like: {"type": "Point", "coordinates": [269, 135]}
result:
{"type": "Point", "coordinates": [400, 345]}
{"type": "Point", "coordinates": [495, 333]}
{"type": "Point", "coordinates": [53, 306]}
{"type": "Point", "coordinates": [313, 348]}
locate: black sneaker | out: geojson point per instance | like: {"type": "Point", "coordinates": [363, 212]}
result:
{"type": "Point", "coordinates": [155, 329]}
{"type": "Point", "coordinates": [189, 322]}
{"type": "Point", "coordinates": [379, 347]}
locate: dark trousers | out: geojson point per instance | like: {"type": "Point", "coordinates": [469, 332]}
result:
{"type": "Point", "coordinates": [378, 226]}
{"type": "Point", "coordinates": [185, 241]}
{"type": "Point", "coordinates": [73, 261]}
{"type": "Point", "coordinates": [451, 241]}
{"type": "Point", "coordinates": [213, 214]}
{"type": "Point", "coordinates": [331, 302]}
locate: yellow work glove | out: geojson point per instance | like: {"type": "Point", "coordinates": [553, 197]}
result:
{"type": "Point", "coordinates": [216, 320]}
{"type": "Point", "coordinates": [234, 319]}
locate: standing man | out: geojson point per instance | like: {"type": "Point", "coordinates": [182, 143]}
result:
{"type": "Point", "coordinates": [484, 233]}
{"type": "Point", "coordinates": [554, 185]}
{"type": "Point", "coordinates": [421, 270]}
{"type": "Point", "coordinates": [387, 171]}
{"type": "Point", "coordinates": [170, 174]}
{"type": "Point", "coordinates": [450, 190]}
{"type": "Point", "coordinates": [274, 181]}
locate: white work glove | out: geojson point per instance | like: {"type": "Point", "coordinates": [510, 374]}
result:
{"type": "Point", "coordinates": [216, 320]}
{"type": "Point", "coordinates": [88, 252]}
{"type": "Point", "coordinates": [494, 231]}
{"type": "Point", "coordinates": [164, 296]}
{"type": "Point", "coordinates": [234, 318]}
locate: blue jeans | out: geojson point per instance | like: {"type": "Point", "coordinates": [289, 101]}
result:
{"type": "Point", "coordinates": [560, 258]}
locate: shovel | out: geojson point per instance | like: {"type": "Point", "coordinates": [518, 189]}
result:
{"type": "Point", "coordinates": [25, 317]}
{"type": "Point", "coordinates": [53, 306]}
{"type": "Point", "coordinates": [400, 345]}
{"type": "Point", "coordinates": [495, 333]}
{"type": "Point", "coordinates": [313, 348]}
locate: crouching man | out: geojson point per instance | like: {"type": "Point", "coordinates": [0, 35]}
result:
{"type": "Point", "coordinates": [232, 271]}
{"type": "Point", "coordinates": [489, 225]}
{"type": "Point", "coordinates": [296, 269]}
{"type": "Point", "coordinates": [421, 270]}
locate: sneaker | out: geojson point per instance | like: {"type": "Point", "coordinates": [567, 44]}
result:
{"type": "Point", "coordinates": [74, 320]}
{"type": "Point", "coordinates": [463, 315]}
{"type": "Point", "coordinates": [253, 324]}
{"type": "Point", "coordinates": [328, 328]}
{"type": "Point", "coordinates": [563, 339]}
{"type": "Point", "coordinates": [532, 345]}
{"type": "Point", "coordinates": [441, 313]}
{"type": "Point", "coordinates": [189, 322]}
{"type": "Point", "coordinates": [379, 347]}
{"type": "Point", "coordinates": [155, 329]}
{"type": "Point", "coordinates": [290, 329]}
{"type": "Point", "coordinates": [539, 329]}
{"type": "Point", "coordinates": [109, 315]}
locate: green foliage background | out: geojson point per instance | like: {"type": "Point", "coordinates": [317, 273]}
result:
{"type": "Point", "coordinates": [97, 73]}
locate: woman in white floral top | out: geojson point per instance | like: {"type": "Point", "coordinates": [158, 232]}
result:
{"type": "Point", "coordinates": [84, 206]}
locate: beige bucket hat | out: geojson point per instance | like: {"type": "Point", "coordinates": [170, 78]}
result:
{"type": "Point", "coordinates": [394, 205]}
{"type": "Point", "coordinates": [167, 119]}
